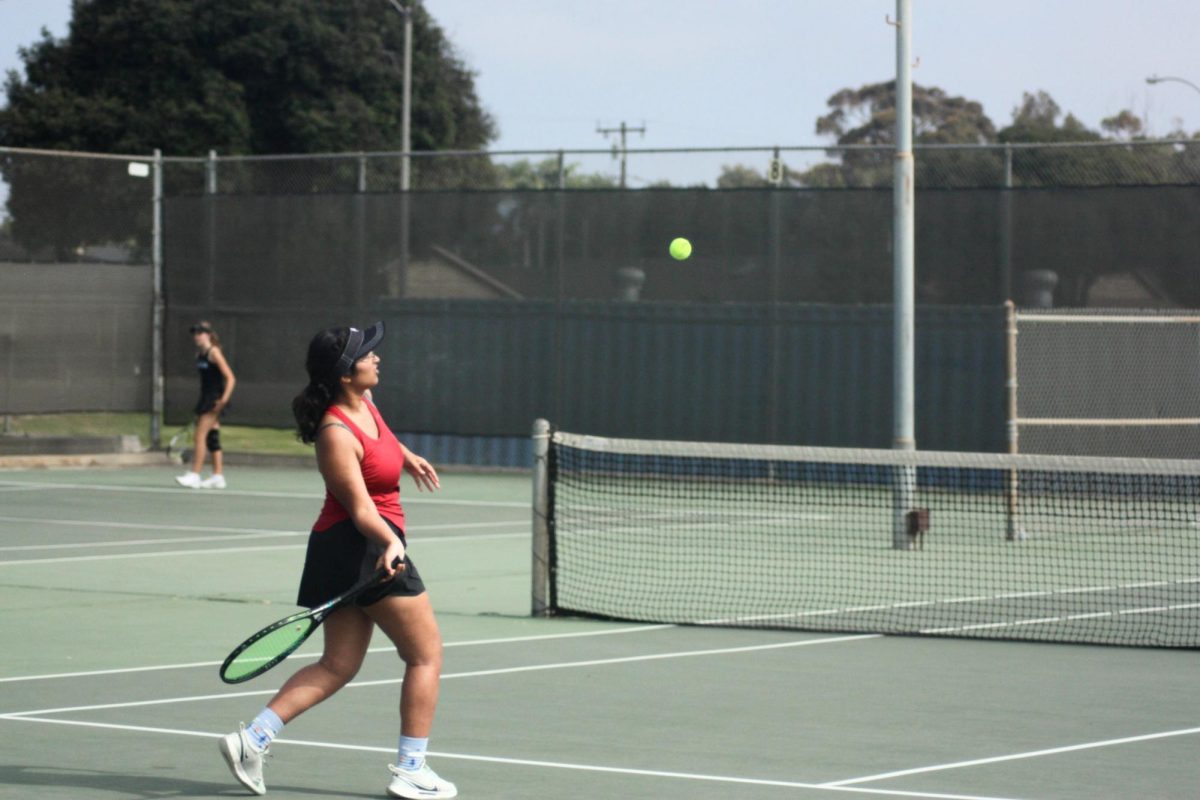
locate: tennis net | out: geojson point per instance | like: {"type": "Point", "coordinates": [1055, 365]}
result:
{"type": "Point", "coordinates": [1043, 548]}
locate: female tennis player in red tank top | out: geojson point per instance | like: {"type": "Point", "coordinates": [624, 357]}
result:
{"type": "Point", "coordinates": [360, 529]}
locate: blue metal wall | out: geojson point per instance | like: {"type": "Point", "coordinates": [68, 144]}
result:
{"type": "Point", "coordinates": [481, 372]}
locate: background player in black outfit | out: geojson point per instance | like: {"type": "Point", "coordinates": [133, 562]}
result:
{"type": "Point", "coordinates": [216, 386]}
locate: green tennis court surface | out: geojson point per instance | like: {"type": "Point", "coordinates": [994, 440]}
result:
{"type": "Point", "coordinates": [120, 594]}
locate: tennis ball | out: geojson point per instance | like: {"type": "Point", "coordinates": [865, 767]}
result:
{"type": "Point", "coordinates": [680, 249]}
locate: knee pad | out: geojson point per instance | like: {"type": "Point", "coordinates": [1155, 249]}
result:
{"type": "Point", "coordinates": [213, 440]}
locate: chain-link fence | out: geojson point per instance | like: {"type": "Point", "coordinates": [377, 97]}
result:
{"type": "Point", "coordinates": [272, 248]}
{"type": "Point", "coordinates": [76, 283]}
{"type": "Point", "coordinates": [1107, 382]}
{"type": "Point", "coordinates": [1016, 165]}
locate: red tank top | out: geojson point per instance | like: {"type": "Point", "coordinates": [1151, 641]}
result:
{"type": "Point", "coordinates": [382, 463]}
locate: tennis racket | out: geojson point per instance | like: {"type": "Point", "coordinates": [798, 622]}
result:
{"type": "Point", "coordinates": [179, 447]}
{"type": "Point", "coordinates": [280, 639]}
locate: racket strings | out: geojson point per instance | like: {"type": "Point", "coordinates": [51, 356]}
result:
{"type": "Point", "coordinates": [263, 653]}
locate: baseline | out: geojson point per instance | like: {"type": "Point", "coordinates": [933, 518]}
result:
{"type": "Point", "coordinates": [524, 762]}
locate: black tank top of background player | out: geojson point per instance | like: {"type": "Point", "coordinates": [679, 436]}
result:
{"type": "Point", "coordinates": [212, 382]}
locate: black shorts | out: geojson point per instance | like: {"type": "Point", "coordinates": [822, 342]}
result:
{"type": "Point", "coordinates": [339, 556]}
{"type": "Point", "coordinates": [207, 402]}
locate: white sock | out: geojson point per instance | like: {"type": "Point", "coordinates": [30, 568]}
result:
{"type": "Point", "coordinates": [411, 752]}
{"type": "Point", "coordinates": [265, 727]}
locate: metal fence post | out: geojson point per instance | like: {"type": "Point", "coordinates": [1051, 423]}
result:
{"type": "Point", "coordinates": [157, 335]}
{"type": "Point", "coordinates": [360, 231]}
{"type": "Point", "coordinates": [210, 218]}
{"type": "Point", "coordinates": [1006, 281]}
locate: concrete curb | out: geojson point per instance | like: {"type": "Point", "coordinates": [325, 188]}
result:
{"type": "Point", "coordinates": [51, 461]}
{"type": "Point", "coordinates": [126, 451]}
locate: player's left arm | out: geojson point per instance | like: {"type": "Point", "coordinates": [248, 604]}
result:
{"type": "Point", "coordinates": [422, 472]}
{"type": "Point", "coordinates": [218, 358]}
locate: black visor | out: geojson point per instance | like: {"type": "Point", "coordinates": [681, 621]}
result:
{"type": "Point", "coordinates": [358, 344]}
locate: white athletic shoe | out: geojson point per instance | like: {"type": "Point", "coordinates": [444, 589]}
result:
{"type": "Point", "coordinates": [189, 479]}
{"type": "Point", "coordinates": [244, 761]}
{"type": "Point", "coordinates": [419, 783]}
{"type": "Point", "coordinates": [213, 482]}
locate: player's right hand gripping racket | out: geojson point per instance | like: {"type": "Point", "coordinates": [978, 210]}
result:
{"type": "Point", "coordinates": [280, 639]}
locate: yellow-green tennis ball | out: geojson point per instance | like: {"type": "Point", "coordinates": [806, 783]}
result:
{"type": "Point", "coordinates": [680, 249]}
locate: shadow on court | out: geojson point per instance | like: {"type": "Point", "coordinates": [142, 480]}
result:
{"type": "Point", "coordinates": [30, 781]}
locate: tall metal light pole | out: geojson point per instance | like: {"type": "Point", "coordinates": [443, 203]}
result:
{"type": "Point", "coordinates": [406, 114]}
{"type": "Point", "coordinates": [397, 288]}
{"type": "Point", "coordinates": [1153, 79]}
{"type": "Point", "coordinates": [903, 270]}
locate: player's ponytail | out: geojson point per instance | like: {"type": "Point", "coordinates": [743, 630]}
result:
{"type": "Point", "coordinates": [324, 383]}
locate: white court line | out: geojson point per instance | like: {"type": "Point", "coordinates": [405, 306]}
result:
{"type": "Point", "coordinates": [247, 532]}
{"type": "Point", "coordinates": [417, 544]}
{"type": "Point", "coordinates": [829, 612]}
{"type": "Point", "coordinates": [312, 655]}
{"type": "Point", "coordinates": [244, 533]}
{"type": "Point", "coordinates": [1123, 612]}
{"type": "Point", "coordinates": [525, 762]}
{"type": "Point", "coordinates": [102, 487]}
{"type": "Point", "coordinates": [472, 674]}
{"type": "Point", "coordinates": [1014, 756]}
{"type": "Point", "coordinates": [157, 554]}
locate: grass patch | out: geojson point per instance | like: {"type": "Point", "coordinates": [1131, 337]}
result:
{"type": "Point", "coordinates": [90, 424]}
{"type": "Point", "coordinates": [276, 441]}
{"type": "Point", "coordinates": [234, 438]}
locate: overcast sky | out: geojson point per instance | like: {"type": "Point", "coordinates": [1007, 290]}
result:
{"type": "Point", "coordinates": [709, 73]}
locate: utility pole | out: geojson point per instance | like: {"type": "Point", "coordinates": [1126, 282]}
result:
{"type": "Point", "coordinates": [619, 150]}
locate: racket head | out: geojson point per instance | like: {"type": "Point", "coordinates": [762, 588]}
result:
{"type": "Point", "coordinates": [268, 647]}
{"type": "Point", "coordinates": [279, 640]}
{"type": "Point", "coordinates": [179, 446]}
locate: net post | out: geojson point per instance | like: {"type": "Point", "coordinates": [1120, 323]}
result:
{"type": "Point", "coordinates": [540, 594]}
{"type": "Point", "coordinates": [1012, 527]}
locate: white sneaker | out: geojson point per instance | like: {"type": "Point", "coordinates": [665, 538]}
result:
{"type": "Point", "coordinates": [189, 479]}
{"type": "Point", "coordinates": [244, 761]}
{"type": "Point", "coordinates": [213, 482]}
{"type": "Point", "coordinates": [419, 783]}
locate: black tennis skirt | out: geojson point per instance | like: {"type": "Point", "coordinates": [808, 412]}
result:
{"type": "Point", "coordinates": [339, 557]}
{"type": "Point", "coordinates": [207, 402]}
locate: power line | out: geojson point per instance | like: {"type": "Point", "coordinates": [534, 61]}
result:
{"type": "Point", "coordinates": [621, 149]}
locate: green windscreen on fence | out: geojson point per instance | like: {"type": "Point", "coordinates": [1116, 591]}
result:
{"type": "Point", "coordinates": [974, 246]}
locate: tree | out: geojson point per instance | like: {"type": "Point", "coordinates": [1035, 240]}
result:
{"type": "Point", "coordinates": [256, 76]}
{"type": "Point", "coordinates": [740, 176]}
{"type": "Point", "coordinates": [1123, 125]}
{"type": "Point", "coordinates": [524, 174]}
{"type": "Point", "coordinates": [1036, 120]}
{"type": "Point", "coordinates": [867, 116]}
